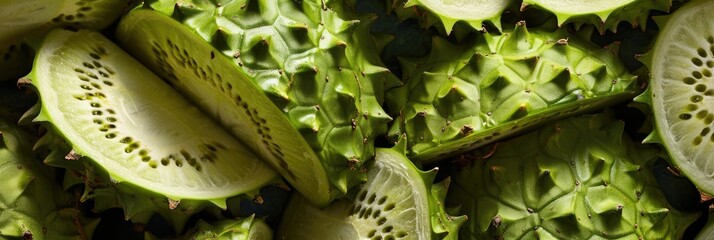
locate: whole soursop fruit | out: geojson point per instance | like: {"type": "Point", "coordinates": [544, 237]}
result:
{"type": "Point", "coordinates": [32, 205]}
{"type": "Point", "coordinates": [126, 126]}
{"type": "Point", "coordinates": [303, 57]}
{"type": "Point", "coordinates": [578, 178]}
{"type": "Point", "coordinates": [681, 64]}
{"type": "Point", "coordinates": [604, 15]}
{"type": "Point", "coordinates": [490, 86]}
{"type": "Point", "coordinates": [398, 201]}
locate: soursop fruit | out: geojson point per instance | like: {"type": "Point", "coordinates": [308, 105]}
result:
{"type": "Point", "coordinates": [491, 86]}
{"type": "Point", "coordinates": [679, 94]}
{"type": "Point", "coordinates": [578, 178]}
{"type": "Point", "coordinates": [133, 141]}
{"type": "Point", "coordinates": [249, 228]}
{"type": "Point", "coordinates": [314, 66]}
{"type": "Point", "coordinates": [445, 14]}
{"type": "Point", "coordinates": [32, 205]}
{"type": "Point", "coordinates": [20, 19]}
{"type": "Point", "coordinates": [604, 15]}
{"type": "Point", "coordinates": [398, 201]}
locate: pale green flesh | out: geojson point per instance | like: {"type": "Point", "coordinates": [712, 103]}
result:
{"type": "Point", "coordinates": [575, 7]}
{"type": "Point", "coordinates": [392, 203]}
{"type": "Point", "coordinates": [35, 13]}
{"type": "Point", "coordinates": [466, 9]}
{"type": "Point", "coordinates": [683, 91]}
{"type": "Point", "coordinates": [115, 111]}
{"type": "Point", "coordinates": [220, 89]}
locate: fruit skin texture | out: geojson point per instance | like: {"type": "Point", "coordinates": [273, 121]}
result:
{"type": "Point", "coordinates": [473, 13]}
{"type": "Point", "coordinates": [313, 65]}
{"type": "Point", "coordinates": [604, 15]}
{"type": "Point", "coordinates": [249, 228]}
{"type": "Point", "coordinates": [31, 204]}
{"type": "Point", "coordinates": [578, 178]}
{"type": "Point", "coordinates": [681, 63]}
{"type": "Point", "coordinates": [499, 85]}
{"type": "Point", "coordinates": [398, 200]}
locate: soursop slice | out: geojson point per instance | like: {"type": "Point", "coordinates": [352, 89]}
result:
{"type": "Point", "coordinates": [307, 61]}
{"type": "Point", "coordinates": [604, 15]}
{"type": "Point", "coordinates": [579, 178]}
{"type": "Point", "coordinates": [112, 110]}
{"type": "Point", "coordinates": [398, 201]}
{"type": "Point", "coordinates": [489, 87]}
{"type": "Point", "coordinates": [472, 12]}
{"type": "Point", "coordinates": [32, 205]}
{"type": "Point", "coordinates": [22, 18]}
{"type": "Point", "coordinates": [679, 94]}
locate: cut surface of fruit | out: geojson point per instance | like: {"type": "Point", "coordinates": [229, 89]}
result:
{"type": "Point", "coordinates": [681, 91]}
{"type": "Point", "coordinates": [603, 15]}
{"type": "Point", "coordinates": [396, 202]}
{"type": "Point", "coordinates": [115, 111]}
{"type": "Point", "coordinates": [473, 12]}
{"type": "Point", "coordinates": [229, 94]}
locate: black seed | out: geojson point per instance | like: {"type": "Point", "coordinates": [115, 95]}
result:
{"type": "Point", "coordinates": [697, 75]}
{"type": "Point", "coordinates": [125, 140]}
{"type": "Point", "coordinates": [381, 221]}
{"type": "Point", "coordinates": [108, 83]}
{"type": "Point", "coordinates": [702, 114]}
{"type": "Point", "coordinates": [85, 87]}
{"type": "Point", "coordinates": [96, 112]}
{"type": "Point", "coordinates": [707, 73]}
{"type": "Point", "coordinates": [110, 136]}
{"type": "Point", "coordinates": [710, 40]}
{"type": "Point", "coordinates": [702, 52]}
{"type": "Point", "coordinates": [371, 233]}
{"type": "Point", "coordinates": [696, 98]}
{"type": "Point", "coordinates": [92, 75]}
{"type": "Point", "coordinates": [146, 159]}
{"type": "Point", "coordinates": [103, 74]}
{"type": "Point", "coordinates": [689, 80]}
{"type": "Point", "coordinates": [98, 121]}
{"type": "Point", "coordinates": [389, 207]}
{"type": "Point", "coordinates": [710, 64]}
{"type": "Point", "coordinates": [700, 88]}
{"type": "Point", "coordinates": [88, 65]}
{"type": "Point", "coordinates": [111, 119]}
{"type": "Point", "coordinates": [697, 140]}
{"type": "Point", "coordinates": [685, 116]}
{"type": "Point", "coordinates": [78, 70]}
{"type": "Point", "coordinates": [165, 161]}
{"type": "Point", "coordinates": [382, 200]}
{"type": "Point", "coordinates": [387, 229]}
{"type": "Point", "coordinates": [143, 152]}
{"type": "Point", "coordinates": [97, 64]}
{"type": "Point", "coordinates": [94, 55]}
{"type": "Point", "coordinates": [362, 196]}
{"type": "Point", "coordinates": [128, 150]}
{"type": "Point", "coordinates": [705, 131]}
{"type": "Point", "coordinates": [153, 164]}
{"type": "Point", "coordinates": [697, 61]}
{"type": "Point", "coordinates": [692, 107]}
{"type": "Point", "coordinates": [372, 198]}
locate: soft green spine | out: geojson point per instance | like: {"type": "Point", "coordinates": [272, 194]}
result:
{"type": "Point", "coordinates": [493, 86]}
{"type": "Point", "coordinates": [579, 178]}
{"type": "Point", "coordinates": [310, 63]}
{"type": "Point", "coordinates": [635, 13]}
{"type": "Point", "coordinates": [32, 206]}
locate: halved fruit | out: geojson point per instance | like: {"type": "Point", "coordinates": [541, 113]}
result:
{"type": "Point", "coordinates": [113, 110]}
{"type": "Point", "coordinates": [681, 91]}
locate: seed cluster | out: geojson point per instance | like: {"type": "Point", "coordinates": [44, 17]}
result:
{"type": "Point", "coordinates": [74, 20]}
{"type": "Point", "coordinates": [174, 56]}
{"type": "Point", "coordinates": [368, 205]}
{"type": "Point", "coordinates": [699, 79]}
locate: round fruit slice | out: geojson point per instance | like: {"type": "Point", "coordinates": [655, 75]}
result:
{"type": "Point", "coordinates": [603, 14]}
{"type": "Point", "coordinates": [682, 91]}
{"type": "Point", "coordinates": [473, 12]}
{"type": "Point", "coordinates": [113, 110]}
{"type": "Point", "coordinates": [398, 201]}
{"type": "Point", "coordinates": [217, 85]}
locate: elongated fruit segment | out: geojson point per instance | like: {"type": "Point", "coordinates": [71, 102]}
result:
{"type": "Point", "coordinates": [115, 111]}
{"type": "Point", "coordinates": [681, 91]}
{"type": "Point", "coordinates": [578, 178]}
{"type": "Point", "coordinates": [491, 86]}
{"type": "Point", "coordinates": [398, 201]}
{"type": "Point", "coordinates": [230, 95]}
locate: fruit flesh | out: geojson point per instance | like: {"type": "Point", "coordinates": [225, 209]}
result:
{"type": "Point", "coordinates": [682, 62]}
{"type": "Point", "coordinates": [116, 112]}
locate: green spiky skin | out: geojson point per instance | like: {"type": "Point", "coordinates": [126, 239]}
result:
{"type": "Point", "coordinates": [604, 15]}
{"type": "Point", "coordinates": [32, 206]}
{"type": "Point", "coordinates": [578, 178]}
{"type": "Point", "coordinates": [493, 86]}
{"type": "Point", "coordinates": [472, 13]}
{"type": "Point", "coordinates": [249, 228]}
{"type": "Point", "coordinates": [371, 213]}
{"type": "Point", "coordinates": [310, 63]}
{"type": "Point", "coordinates": [681, 63]}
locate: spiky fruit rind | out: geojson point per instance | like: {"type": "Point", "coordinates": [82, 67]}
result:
{"type": "Point", "coordinates": [312, 65]}
{"type": "Point", "coordinates": [473, 13]}
{"type": "Point", "coordinates": [604, 15]}
{"type": "Point", "coordinates": [32, 205]}
{"type": "Point", "coordinates": [499, 85]}
{"type": "Point", "coordinates": [681, 64]}
{"type": "Point", "coordinates": [397, 201]}
{"type": "Point", "coordinates": [249, 228]}
{"type": "Point", "coordinates": [92, 97]}
{"type": "Point", "coordinates": [578, 178]}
